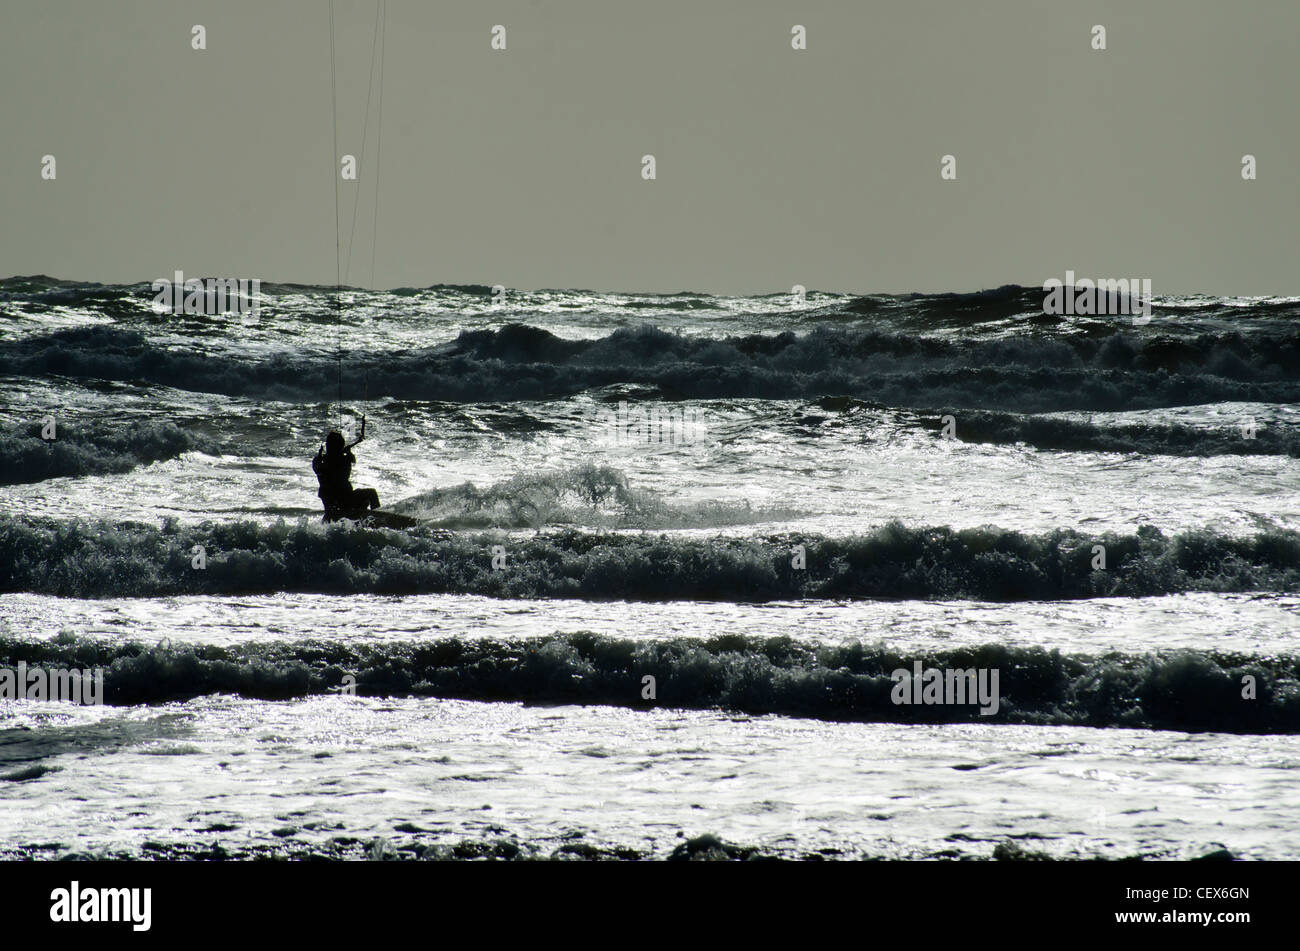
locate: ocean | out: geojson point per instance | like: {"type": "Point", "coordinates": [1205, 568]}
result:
{"type": "Point", "coordinates": [675, 559]}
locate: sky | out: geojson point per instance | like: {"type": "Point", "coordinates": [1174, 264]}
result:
{"type": "Point", "coordinates": [774, 166]}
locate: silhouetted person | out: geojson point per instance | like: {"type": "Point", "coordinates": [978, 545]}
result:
{"type": "Point", "coordinates": [333, 468]}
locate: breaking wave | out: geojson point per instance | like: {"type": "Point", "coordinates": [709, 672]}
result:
{"type": "Point", "coordinates": [1182, 690]}
{"type": "Point", "coordinates": [74, 452]}
{"type": "Point", "coordinates": [1113, 369]}
{"type": "Point", "coordinates": [587, 495]}
{"type": "Point", "coordinates": [1056, 434]}
{"type": "Point", "coordinates": [78, 558]}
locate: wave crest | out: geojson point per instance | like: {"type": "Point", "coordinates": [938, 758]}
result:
{"type": "Point", "coordinates": [75, 452]}
{"type": "Point", "coordinates": [1112, 370]}
{"type": "Point", "coordinates": [588, 495]}
{"type": "Point", "coordinates": [1183, 690]}
{"type": "Point", "coordinates": [100, 559]}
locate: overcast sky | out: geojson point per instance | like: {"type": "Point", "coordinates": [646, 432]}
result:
{"type": "Point", "coordinates": [775, 167]}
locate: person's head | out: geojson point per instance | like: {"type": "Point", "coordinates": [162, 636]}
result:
{"type": "Point", "coordinates": [334, 442]}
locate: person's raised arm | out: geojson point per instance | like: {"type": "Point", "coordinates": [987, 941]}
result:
{"type": "Point", "coordinates": [362, 435]}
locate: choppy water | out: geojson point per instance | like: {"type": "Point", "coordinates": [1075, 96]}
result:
{"type": "Point", "coordinates": [502, 710]}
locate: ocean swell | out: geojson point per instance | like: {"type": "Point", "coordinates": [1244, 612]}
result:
{"type": "Point", "coordinates": [1181, 690]}
{"type": "Point", "coordinates": [1117, 370]}
{"type": "Point", "coordinates": [1055, 434]}
{"type": "Point", "coordinates": [76, 558]}
{"type": "Point", "coordinates": [77, 452]}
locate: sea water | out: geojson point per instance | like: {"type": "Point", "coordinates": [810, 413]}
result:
{"type": "Point", "coordinates": [767, 507]}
